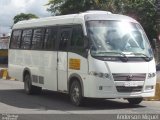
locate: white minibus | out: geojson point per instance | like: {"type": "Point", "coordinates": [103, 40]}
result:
{"type": "Point", "coordinates": [95, 54]}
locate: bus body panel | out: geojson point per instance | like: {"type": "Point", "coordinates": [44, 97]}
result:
{"type": "Point", "coordinates": [15, 64]}
{"type": "Point", "coordinates": [78, 67]}
{"type": "Point", "coordinates": [62, 71]}
{"type": "Point", "coordinates": [41, 64]}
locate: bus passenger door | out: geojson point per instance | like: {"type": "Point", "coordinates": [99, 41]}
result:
{"type": "Point", "coordinates": [64, 36]}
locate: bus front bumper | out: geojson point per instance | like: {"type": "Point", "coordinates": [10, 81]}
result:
{"type": "Point", "coordinates": [99, 88]}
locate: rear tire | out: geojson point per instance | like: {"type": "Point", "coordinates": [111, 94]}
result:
{"type": "Point", "coordinates": [29, 88]}
{"type": "Point", "coordinates": [76, 93]}
{"type": "Point", "coordinates": [135, 101]}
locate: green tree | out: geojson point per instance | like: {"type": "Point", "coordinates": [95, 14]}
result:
{"type": "Point", "coordinates": [23, 16]}
{"type": "Point", "coordinates": [58, 7]}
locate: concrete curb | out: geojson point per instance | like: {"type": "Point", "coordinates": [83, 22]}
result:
{"type": "Point", "coordinates": [4, 74]}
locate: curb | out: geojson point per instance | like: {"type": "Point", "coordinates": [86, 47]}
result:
{"type": "Point", "coordinates": [4, 74]}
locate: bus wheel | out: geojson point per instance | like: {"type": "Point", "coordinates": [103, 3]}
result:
{"type": "Point", "coordinates": [29, 88]}
{"type": "Point", "coordinates": [134, 101]}
{"type": "Point", "coordinates": [76, 93]}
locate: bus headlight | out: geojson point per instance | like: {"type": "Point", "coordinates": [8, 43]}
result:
{"type": "Point", "coordinates": [101, 75]}
{"type": "Point", "coordinates": [151, 75]}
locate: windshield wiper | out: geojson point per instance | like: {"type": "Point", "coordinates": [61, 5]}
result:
{"type": "Point", "coordinates": [123, 56]}
{"type": "Point", "coordinates": [147, 58]}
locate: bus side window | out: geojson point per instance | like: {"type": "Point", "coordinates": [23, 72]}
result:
{"type": "Point", "coordinates": [64, 38]}
{"type": "Point", "coordinates": [15, 40]}
{"type": "Point", "coordinates": [77, 41]}
{"type": "Point", "coordinates": [37, 41]}
{"type": "Point", "coordinates": [50, 38]}
{"type": "Point", "coordinates": [77, 37]}
{"type": "Point", "coordinates": [26, 39]}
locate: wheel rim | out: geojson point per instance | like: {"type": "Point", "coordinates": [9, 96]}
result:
{"type": "Point", "coordinates": [76, 94]}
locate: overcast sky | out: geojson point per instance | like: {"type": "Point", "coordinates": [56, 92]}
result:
{"type": "Point", "coordinates": [10, 8]}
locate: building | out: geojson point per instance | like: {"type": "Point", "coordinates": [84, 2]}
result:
{"type": "Point", "coordinates": [4, 42]}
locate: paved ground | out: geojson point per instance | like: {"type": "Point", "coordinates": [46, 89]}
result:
{"type": "Point", "coordinates": [14, 100]}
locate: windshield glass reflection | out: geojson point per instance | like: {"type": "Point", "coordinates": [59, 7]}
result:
{"type": "Point", "coordinates": [115, 38]}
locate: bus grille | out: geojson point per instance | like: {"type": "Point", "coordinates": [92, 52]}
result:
{"type": "Point", "coordinates": [129, 89]}
{"type": "Point", "coordinates": [129, 77]}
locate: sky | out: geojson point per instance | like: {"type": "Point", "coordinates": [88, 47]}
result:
{"type": "Point", "coordinates": [10, 8]}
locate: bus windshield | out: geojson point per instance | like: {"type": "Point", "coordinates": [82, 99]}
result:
{"type": "Point", "coordinates": [117, 38]}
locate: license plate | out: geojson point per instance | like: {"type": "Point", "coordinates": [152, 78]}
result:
{"type": "Point", "coordinates": [130, 84]}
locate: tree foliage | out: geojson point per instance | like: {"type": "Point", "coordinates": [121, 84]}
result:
{"type": "Point", "coordinates": [23, 16]}
{"type": "Point", "coordinates": [143, 11]}
{"type": "Point", "coordinates": [58, 7]}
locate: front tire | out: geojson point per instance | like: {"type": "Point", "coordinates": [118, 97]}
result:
{"type": "Point", "coordinates": [29, 88]}
{"type": "Point", "coordinates": [76, 93]}
{"type": "Point", "coordinates": [135, 101]}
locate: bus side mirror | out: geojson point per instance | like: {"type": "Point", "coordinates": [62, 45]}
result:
{"type": "Point", "coordinates": [86, 42]}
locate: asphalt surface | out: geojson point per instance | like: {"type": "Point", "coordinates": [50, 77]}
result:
{"type": "Point", "coordinates": [52, 105]}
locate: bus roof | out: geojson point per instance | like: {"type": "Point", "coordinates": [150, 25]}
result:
{"type": "Point", "coordinates": [72, 19]}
